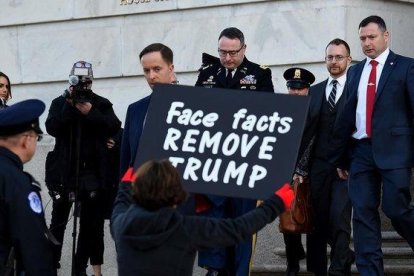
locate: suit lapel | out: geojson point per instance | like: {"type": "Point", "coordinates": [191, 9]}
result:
{"type": "Point", "coordinates": [386, 71]}
{"type": "Point", "coordinates": [317, 97]}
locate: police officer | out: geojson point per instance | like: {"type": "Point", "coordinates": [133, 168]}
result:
{"type": "Point", "coordinates": [231, 70]}
{"type": "Point", "coordinates": [81, 121]}
{"type": "Point", "coordinates": [298, 81]}
{"type": "Point", "coordinates": [25, 242]}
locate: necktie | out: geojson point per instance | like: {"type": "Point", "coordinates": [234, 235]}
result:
{"type": "Point", "coordinates": [371, 89]}
{"type": "Point", "coordinates": [229, 76]}
{"type": "Point", "coordinates": [332, 95]}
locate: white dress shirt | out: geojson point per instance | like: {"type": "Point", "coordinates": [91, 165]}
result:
{"type": "Point", "coordinates": [361, 110]}
{"type": "Point", "coordinates": [339, 87]}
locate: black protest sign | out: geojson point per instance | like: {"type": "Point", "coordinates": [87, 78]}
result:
{"type": "Point", "coordinates": [224, 142]}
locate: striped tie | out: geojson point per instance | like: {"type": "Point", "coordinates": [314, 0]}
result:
{"type": "Point", "coordinates": [332, 96]}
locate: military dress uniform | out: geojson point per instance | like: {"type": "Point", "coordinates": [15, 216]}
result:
{"type": "Point", "coordinates": [248, 76]}
{"type": "Point", "coordinates": [25, 242]}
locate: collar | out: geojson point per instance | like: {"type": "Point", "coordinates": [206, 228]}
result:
{"type": "Point", "coordinates": [341, 80]}
{"type": "Point", "coordinates": [11, 156]}
{"type": "Point", "coordinates": [381, 58]}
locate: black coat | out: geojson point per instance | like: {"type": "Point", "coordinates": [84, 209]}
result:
{"type": "Point", "coordinates": [22, 221]}
{"type": "Point", "coordinates": [165, 242]}
{"type": "Point", "coordinates": [65, 122]}
{"type": "Point", "coordinates": [249, 75]}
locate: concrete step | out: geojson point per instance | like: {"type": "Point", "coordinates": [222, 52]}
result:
{"type": "Point", "coordinates": [276, 270]}
{"type": "Point", "coordinates": [389, 253]}
{"type": "Point", "coordinates": [391, 238]}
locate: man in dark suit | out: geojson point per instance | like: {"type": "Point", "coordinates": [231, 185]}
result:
{"type": "Point", "coordinates": [376, 124]}
{"type": "Point", "coordinates": [232, 70]}
{"type": "Point", "coordinates": [157, 63]}
{"type": "Point", "coordinates": [329, 194]}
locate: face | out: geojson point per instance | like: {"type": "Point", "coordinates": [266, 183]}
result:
{"type": "Point", "coordinates": [4, 88]}
{"type": "Point", "coordinates": [373, 41]}
{"type": "Point", "coordinates": [30, 143]}
{"type": "Point", "coordinates": [156, 70]}
{"type": "Point", "coordinates": [231, 52]}
{"type": "Point", "coordinates": [337, 60]}
{"type": "Point", "coordinates": [298, 91]}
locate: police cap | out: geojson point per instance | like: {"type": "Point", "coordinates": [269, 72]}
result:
{"type": "Point", "coordinates": [21, 117]}
{"type": "Point", "coordinates": [298, 78]}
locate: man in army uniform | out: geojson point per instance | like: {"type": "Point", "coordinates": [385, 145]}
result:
{"type": "Point", "coordinates": [25, 242]}
{"type": "Point", "coordinates": [232, 70]}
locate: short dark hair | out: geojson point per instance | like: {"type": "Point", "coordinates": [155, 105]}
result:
{"type": "Point", "coordinates": [9, 96]}
{"type": "Point", "coordinates": [232, 33]}
{"type": "Point", "coordinates": [337, 42]}
{"type": "Point", "coordinates": [158, 185]}
{"type": "Point", "coordinates": [166, 53]}
{"type": "Point", "coordinates": [373, 19]}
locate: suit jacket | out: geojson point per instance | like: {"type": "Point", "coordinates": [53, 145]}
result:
{"type": "Point", "coordinates": [249, 75]}
{"type": "Point", "coordinates": [317, 94]}
{"type": "Point", "coordinates": [392, 118]}
{"type": "Point", "coordinates": [134, 124]}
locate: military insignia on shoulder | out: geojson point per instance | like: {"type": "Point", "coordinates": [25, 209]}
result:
{"type": "Point", "coordinates": [35, 202]}
{"type": "Point", "coordinates": [264, 66]}
{"type": "Point", "coordinates": [204, 67]}
{"type": "Point", "coordinates": [249, 79]}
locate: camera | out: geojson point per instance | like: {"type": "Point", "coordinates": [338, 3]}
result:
{"type": "Point", "coordinates": [80, 80]}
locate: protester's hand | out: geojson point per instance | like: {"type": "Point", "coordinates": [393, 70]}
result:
{"type": "Point", "coordinates": [286, 194]}
{"type": "Point", "coordinates": [343, 174]}
{"type": "Point", "coordinates": [84, 108]}
{"type": "Point", "coordinates": [299, 177]}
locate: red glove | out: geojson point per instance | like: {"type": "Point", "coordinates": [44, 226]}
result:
{"type": "Point", "coordinates": [129, 176]}
{"type": "Point", "coordinates": [286, 194]}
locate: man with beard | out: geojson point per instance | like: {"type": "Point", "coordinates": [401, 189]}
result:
{"type": "Point", "coordinates": [329, 194]}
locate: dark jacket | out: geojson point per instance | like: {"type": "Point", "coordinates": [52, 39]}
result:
{"type": "Point", "coordinates": [249, 75]}
{"type": "Point", "coordinates": [392, 117]}
{"type": "Point", "coordinates": [134, 124]}
{"type": "Point", "coordinates": [165, 242]}
{"type": "Point", "coordinates": [22, 221]}
{"type": "Point", "coordinates": [65, 123]}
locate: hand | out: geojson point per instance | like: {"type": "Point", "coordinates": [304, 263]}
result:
{"type": "Point", "coordinates": [84, 108]}
{"type": "Point", "coordinates": [286, 194]}
{"type": "Point", "coordinates": [343, 174]}
{"type": "Point", "coordinates": [298, 176]}
{"type": "Point", "coordinates": [110, 143]}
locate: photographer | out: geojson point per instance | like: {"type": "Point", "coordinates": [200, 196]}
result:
{"type": "Point", "coordinates": [81, 122]}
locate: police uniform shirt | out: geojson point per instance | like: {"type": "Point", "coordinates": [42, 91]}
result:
{"type": "Point", "coordinates": [22, 222]}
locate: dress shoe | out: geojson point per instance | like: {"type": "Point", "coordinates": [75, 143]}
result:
{"type": "Point", "coordinates": [216, 272]}
{"type": "Point", "coordinates": [292, 270]}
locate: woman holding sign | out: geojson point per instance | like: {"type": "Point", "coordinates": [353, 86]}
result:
{"type": "Point", "coordinates": [153, 238]}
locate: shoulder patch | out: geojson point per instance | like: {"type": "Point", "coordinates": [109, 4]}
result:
{"type": "Point", "coordinates": [204, 67]}
{"type": "Point", "coordinates": [35, 202]}
{"type": "Point", "coordinates": [264, 66]}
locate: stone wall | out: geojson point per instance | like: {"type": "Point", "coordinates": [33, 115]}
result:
{"type": "Point", "coordinates": [39, 41]}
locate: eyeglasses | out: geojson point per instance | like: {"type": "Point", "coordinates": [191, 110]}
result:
{"type": "Point", "coordinates": [233, 53]}
{"type": "Point", "coordinates": [38, 136]}
{"type": "Point", "coordinates": [337, 58]}
{"type": "Point", "coordinates": [82, 64]}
